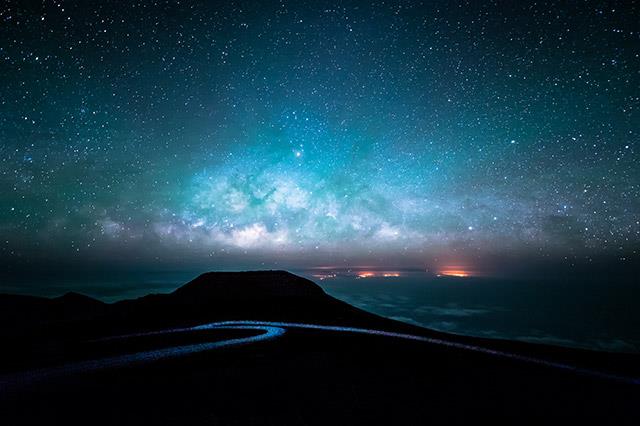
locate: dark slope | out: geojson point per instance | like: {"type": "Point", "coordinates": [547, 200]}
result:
{"type": "Point", "coordinates": [42, 329]}
{"type": "Point", "coordinates": [19, 312]}
{"type": "Point", "coordinates": [304, 377]}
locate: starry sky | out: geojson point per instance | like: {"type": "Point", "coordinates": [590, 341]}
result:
{"type": "Point", "coordinates": [275, 133]}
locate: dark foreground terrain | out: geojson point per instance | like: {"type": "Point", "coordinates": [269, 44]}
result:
{"type": "Point", "coordinates": [301, 376]}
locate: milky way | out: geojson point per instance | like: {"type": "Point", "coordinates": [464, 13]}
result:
{"type": "Point", "coordinates": [314, 133]}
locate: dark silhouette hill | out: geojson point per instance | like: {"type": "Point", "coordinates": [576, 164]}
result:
{"type": "Point", "coordinates": [256, 295]}
{"type": "Point", "coordinates": [213, 295]}
{"type": "Point", "coordinates": [46, 330]}
{"type": "Point", "coordinates": [23, 311]}
{"type": "Point", "coordinates": [248, 285]}
{"type": "Point", "coordinates": [303, 377]}
{"type": "Point", "coordinates": [221, 296]}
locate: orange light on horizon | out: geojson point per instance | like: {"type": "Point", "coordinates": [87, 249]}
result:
{"type": "Point", "coordinates": [461, 273]}
{"type": "Point", "coordinates": [378, 274]}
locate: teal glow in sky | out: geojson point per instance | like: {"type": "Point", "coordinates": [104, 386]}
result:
{"type": "Point", "coordinates": [310, 133]}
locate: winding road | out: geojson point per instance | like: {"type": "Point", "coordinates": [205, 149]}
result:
{"type": "Point", "coordinates": [267, 330]}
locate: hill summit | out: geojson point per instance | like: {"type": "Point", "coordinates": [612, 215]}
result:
{"type": "Point", "coordinates": [248, 285]}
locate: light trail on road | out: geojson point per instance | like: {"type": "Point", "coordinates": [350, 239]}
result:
{"type": "Point", "coordinates": [269, 330]}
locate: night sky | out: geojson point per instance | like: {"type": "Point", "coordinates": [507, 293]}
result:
{"type": "Point", "coordinates": [311, 133]}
